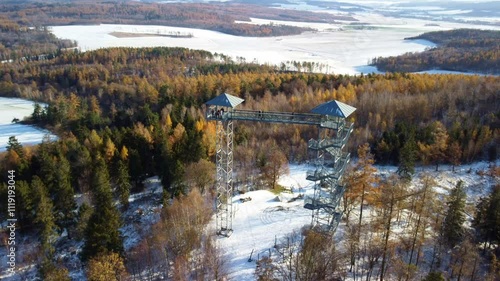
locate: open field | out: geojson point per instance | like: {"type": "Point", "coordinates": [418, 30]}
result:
{"type": "Point", "coordinates": [338, 48]}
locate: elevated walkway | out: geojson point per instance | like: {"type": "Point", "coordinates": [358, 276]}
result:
{"type": "Point", "coordinates": [334, 132]}
{"type": "Point", "coordinates": [314, 119]}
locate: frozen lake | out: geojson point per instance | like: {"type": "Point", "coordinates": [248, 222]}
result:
{"type": "Point", "coordinates": [340, 48]}
{"type": "Point", "coordinates": [18, 108]}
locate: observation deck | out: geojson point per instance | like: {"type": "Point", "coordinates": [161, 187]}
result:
{"type": "Point", "coordinates": [334, 132]}
{"type": "Point", "coordinates": [323, 121]}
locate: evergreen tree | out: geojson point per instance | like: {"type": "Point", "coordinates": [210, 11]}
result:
{"type": "Point", "coordinates": [25, 204]}
{"type": "Point", "coordinates": [194, 148]}
{"type": "Point", "coordinates": [45, 163]}
{"type": "Point", "coordinates": [171, 171]}
{"type": "Point", "coordinates": [14, 145]}
{"type": "Point", "coordinates": [38, 114]}
{"type": "Point", "coordinates": [453, 230]}
{"type": "Point", "coordinates": [64, 193]}
{"type": "Point", "coordinates": [83, 217]}
{"type": "Point", "coordinates": [102, 234]}
{"type": "Point", "coordinates": [16, 157]}
{"type": "Point", "coordinates": [81, 166]}
{"type": "Point", "coordinates": [123, 182]}
{"type": "Point", "coordinates": [193, 141]}
{"type": "Point", "coordinates": [136, 168]}
{"type": "Point", "coordinates": [487, 218]}
{"type": "Point", "coordinates": [44, 218]}
{"type": "Point", "coordinates": [407, 158]}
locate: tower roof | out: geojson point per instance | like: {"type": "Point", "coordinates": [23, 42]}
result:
{"type": "Point", "coordinates": [225, 100]}
{"type": "Point", "coordinates": [334, 108]}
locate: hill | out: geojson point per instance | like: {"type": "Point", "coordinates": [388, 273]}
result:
{"type": "Point", "coordinates": [465, 50]}
{"type": "Point", "coordinates": [222, 17]}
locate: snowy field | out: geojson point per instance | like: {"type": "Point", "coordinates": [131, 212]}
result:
{"type": "Point", "coordinates": [257, 223]}
{"type": "Point", "coordinates": [339, 47]}
{"type": "Point", "coordinates": [18, 108]}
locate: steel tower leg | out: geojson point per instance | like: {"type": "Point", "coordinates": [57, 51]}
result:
{"type": "Point", "coordinates": [317, 214]}
{"type": "Point", "coordinates": [328, 189]}
{"type": "Point", "coordinates": [224, 180]}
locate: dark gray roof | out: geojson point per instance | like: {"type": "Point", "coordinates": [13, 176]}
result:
{"type": "Point", "coordinates": [225, 100]}
{"type": "Point", "coordinates": [334, 108]}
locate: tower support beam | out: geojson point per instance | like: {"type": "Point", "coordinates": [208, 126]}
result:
{"type": "Point", "coordinates": [224, 178]}
{"type": "Point", "coordinates": [330, 160]}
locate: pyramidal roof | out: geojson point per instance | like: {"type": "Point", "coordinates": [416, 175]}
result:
{"type": "Point", "coordinates": [334, 108]}
{"type": "Point", "coordinates": [225, 100]}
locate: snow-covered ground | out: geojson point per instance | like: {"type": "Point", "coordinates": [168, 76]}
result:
{"type": "Point", "coordinates": [339, 47]}
{"type": "Point", "coordinates": [257, 223]}
{"type": "Point", "coordinates": [26, 135]}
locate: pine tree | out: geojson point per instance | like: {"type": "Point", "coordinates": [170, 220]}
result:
{"type": "Point", "coordinates": [407, 158]}
{"type": "Point", "coordinates": [123, 182]}
{"type": "Point", "coordinates": [25, 203]}
{"type": "Point", "coordinates": [487, 218]}
{"type": "Point", "coordinates": [171, 171]}
{"type": "Point", "coordinates": [64, 194]}
{"type": "Point", "coordinates": [83, 217]}
{"type": "Point", "coordinates": [16, 156]}
{"type": "Point", "coordinates": [44, 218]}
{"type": "Point", "coordinates": [102, 234]}
{"type": "Point", "coordinates": [14, 145]}
{"type": "Point", "coordinates": [453, 230]}
{"type": "Point", "coordinates": [38, 113]}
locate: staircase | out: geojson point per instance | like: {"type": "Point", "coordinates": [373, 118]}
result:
{"type": "Point", "coordinates": [328, 187]}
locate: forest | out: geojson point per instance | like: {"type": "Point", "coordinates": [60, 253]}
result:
{"type": "Point", "coordinates": [212, 16]}
{"type": "Point", "coordinates": [466, 50]}
{"type": "Point", "coordinates": [18, 42]}
{"type": "Point", "coordinates": [124, 115]}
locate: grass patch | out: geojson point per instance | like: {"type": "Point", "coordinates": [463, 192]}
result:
{"type": "Point", "coordinates": [280, 189]}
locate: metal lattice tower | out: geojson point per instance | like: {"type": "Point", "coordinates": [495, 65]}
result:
{"type": "Point", "coordinates": [224, 180]}
{"type": "Point", "coordinates": [331, 163]}
{"type": "Point", "coordinates": [330, 160]}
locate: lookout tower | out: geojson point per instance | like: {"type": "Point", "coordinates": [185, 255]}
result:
{"type": "Point", "coordinates": [330, 160]}
{"type": "Point", "coordinates": [219, 110]}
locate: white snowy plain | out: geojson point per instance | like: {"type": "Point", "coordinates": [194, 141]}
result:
{"type": "Point", "coordinates": [340, 47]}
{"type": "Point", "coordinates": [18, 108]}
{"type": "Point", "coordinates": [257, 223]}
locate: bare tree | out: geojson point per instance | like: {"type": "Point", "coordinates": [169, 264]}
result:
{"type": "Point", "coordinates": [214, 265]}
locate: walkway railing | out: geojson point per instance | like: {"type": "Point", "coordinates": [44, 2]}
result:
{"type": "Point", "coordinates": [267, 116]}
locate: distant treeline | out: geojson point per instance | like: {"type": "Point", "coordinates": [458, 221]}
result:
{"type": "Point", "coordinates": [213, 16]}
{"type": "Point", "coordinates": [392, 109]}
{"type": "Point", "coordinates": [19, 42]}
{"type": "Point", "coordinates": [467, 50]}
